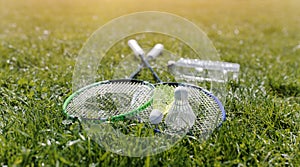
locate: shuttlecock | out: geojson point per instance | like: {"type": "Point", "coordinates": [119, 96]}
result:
{"type": "Point", "coordinates": [156, 116]}
{"type": "Point", "coordinates": [181, 115]}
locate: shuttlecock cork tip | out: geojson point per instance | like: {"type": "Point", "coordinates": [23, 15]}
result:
{"type": "Point", "coordinates": [181, 93]}
{"type": "Point", "coordinates": [156, 116]}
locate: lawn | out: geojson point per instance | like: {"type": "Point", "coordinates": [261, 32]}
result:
{"type": "Point", "coordinates": [39, 43]}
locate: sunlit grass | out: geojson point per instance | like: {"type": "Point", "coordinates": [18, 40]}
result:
{"type": "Point", "coordinates": [39, 41]}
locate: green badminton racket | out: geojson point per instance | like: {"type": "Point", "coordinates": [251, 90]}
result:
{"type": "Point", "coordinates": [112, 100]}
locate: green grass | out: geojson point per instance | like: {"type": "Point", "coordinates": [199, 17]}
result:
{"type": "Point", "coordinates": [39, 41]}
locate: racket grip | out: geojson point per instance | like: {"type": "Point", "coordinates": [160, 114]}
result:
{"type": "Point", "coordinates": [135, 47]}
{"type": "Point", "coordinates": [158, 48]}
{"type": "Point", "coordinates": [154, 52]}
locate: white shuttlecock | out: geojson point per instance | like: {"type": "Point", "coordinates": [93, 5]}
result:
{"type": "Point", "coordinates": [181, 115]}
{"type": "Point", "coordinates": [156, 116]}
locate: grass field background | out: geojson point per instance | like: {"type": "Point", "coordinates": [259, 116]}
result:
{"type": "Point", "coordinates": [39, 41]}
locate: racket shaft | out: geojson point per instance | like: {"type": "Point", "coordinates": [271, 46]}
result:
{"type": "Point", "coordinates": [150, 68]}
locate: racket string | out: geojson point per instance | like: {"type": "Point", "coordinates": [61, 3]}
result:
{"type": "Point", "coordinates": [109, 99]}
{"type": "Point", "coordinates": [208, 114]}
{"type": "Point", "coordinates": [207, 110]}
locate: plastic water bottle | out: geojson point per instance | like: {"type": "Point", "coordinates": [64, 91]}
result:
{"type": "Point", "coordinates": [204, 70]}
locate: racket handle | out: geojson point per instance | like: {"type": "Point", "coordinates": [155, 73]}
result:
{"type": "Point", "coordinates": [158, 48]}
{"type": "Point", "coordinates": [135, 47]}
{"type": "Point", "coordinates": [139, 51]}
{"type": "Point", "coordinates": [154, 52]}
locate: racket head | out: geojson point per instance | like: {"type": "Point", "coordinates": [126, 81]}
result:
{"type": "Point", "coordinates": [208, 109]}
{"type": "Point", "coordinates": [110, 100]}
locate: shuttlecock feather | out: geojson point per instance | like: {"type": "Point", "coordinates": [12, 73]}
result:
{"type": "Point", "coordinates": [181, 115]}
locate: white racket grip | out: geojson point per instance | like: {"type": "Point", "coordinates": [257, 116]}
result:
{"type": "Point", "coordinates": [136, 47]}
{"type": "Point", "coordinates": [157, 49]}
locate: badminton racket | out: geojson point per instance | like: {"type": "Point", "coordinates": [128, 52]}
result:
{"type": "Point", "coordinates": [109, 100]}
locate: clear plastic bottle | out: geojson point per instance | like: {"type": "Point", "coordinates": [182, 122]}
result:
{"type": "Point", "coordinates": [210, 75]}
{"type": "Point", "coordinates": [204, 70]}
